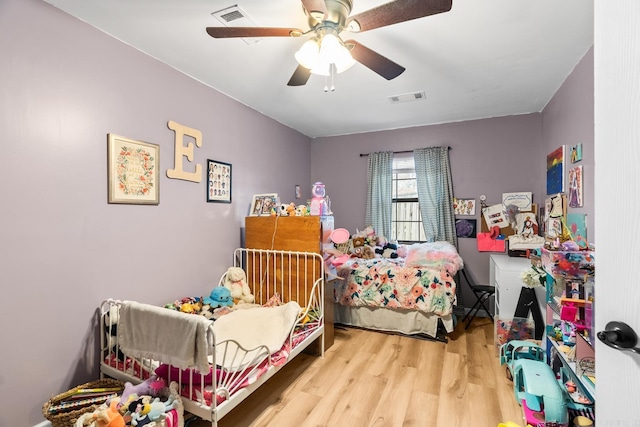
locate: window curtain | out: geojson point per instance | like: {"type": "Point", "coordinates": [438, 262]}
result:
{"type": "Point", "coordinates": [435, 193]}
{"type": "Point", "coordinates": [379, 192]}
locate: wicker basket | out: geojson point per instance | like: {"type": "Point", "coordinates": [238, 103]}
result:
{"type": "Point", "coordinates": [67, 418]}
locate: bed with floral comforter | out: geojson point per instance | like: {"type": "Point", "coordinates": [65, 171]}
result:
{"type": "Point", "coordinates": [423, 281]}
{"type": "Point", "coordinates": [388, 283]}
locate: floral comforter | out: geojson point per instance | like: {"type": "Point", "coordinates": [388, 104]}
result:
{"type": "Point", "coordinates": [382, 282]}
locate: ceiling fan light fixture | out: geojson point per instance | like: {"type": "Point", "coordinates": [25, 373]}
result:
{"type": "Point", "coordinates": [322, 69]}
{"type": "Point", "coordinates": [309, 54]}
{"type": "Point", "coordinates": [343, 60]}
{"type": "Point", "coordinates": [333, 51]}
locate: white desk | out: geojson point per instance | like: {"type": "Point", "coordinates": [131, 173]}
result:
{"type": "Point", "coordinates": [504, 274]}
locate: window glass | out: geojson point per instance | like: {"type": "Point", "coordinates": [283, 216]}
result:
{"type": "Point", "coordinates": [406, 222]}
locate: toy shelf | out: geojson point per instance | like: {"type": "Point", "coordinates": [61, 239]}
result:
{"type": "Point", "coordinates": [570, 320]}
{"type": "Point", "coordinates": [589, 388]}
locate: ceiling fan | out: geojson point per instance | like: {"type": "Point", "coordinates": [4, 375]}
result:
{"type": "Point", "coordinates": [325, 51]}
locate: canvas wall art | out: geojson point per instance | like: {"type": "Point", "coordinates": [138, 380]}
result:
{"type": "Point", "coordinates": [555, 171]}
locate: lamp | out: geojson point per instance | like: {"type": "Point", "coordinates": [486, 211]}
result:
{"type": "Point", "coordinates": [317, 54]}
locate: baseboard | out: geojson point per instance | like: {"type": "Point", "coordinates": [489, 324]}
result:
{"type": "Point", "coordinates": [43, 424]}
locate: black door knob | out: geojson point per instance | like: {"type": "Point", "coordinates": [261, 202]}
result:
{"type": "Point", "coordinates": [620, 336]}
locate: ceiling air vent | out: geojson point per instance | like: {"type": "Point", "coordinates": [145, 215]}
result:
{"type": "Point", "coordinates": [396, 99]}
{"type": "Point", "coordinates": [234, 16]}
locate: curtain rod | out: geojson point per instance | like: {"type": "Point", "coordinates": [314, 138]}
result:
{"type": "Point", "coordinates": [395, 152]}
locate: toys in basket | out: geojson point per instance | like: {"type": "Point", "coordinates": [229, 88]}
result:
{"type": "Point", "coordinates": [151, 410]}
{"type": "Point", "coordinates": [65, 408]}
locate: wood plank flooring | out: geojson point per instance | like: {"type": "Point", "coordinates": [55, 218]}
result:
{"type": "Point", "coordinates": [374, 379]}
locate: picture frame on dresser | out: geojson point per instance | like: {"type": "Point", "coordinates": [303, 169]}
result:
{"type": "Point", "coordinates": [132, 171]}
{"type": "Point", "coordinates": [261, 204]}
{"type": "Point", "coordinates": [218, 182]}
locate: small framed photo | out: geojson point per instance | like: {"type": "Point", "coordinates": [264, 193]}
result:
{"type": "Point", "coordinates": [132, 171]}
{"type": "Point", "coordinates": [261, 204]}
{"type": "Point", "coordinates": [218, 182]}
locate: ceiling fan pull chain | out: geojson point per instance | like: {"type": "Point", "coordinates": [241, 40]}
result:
{"type": "Point", "coordinates": [332, 71]}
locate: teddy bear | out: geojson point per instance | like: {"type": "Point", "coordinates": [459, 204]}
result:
{"type": "Point", "coordinates": [235, 279]}
{"type": "Point", "coordinates": [358, 241]}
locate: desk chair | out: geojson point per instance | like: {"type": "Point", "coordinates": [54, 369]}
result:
{"type": "Point", "coordinates": [482, 294]}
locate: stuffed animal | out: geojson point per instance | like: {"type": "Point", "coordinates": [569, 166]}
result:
{"type": "Point", "coordinates": [132, 392]}
{"type": "Point", "coordinates": [358, 241]}
{"type": "Point", "coordinates": [283, 210]}
{"type": "Point", "coordinates": [235, 279]}
{"type": "Point", "coordinates": [291, 209]}
{"type": "Point", "coordinates": [388, 251]}
{"type": "Point", "coordinates": [191, 307]}
{"type": "Point", "coordinates": [145, 413]}
{"type": "Point", "coordinates": [367, 252]}
{"type": "Point", "coordinates": [109, 417]}
{"type": "Point", "coordinates": [111, 319]}
{"type": "Point", "coordinates": [301, 210]}
{"type": "Point", "coordinates": [220, 297]}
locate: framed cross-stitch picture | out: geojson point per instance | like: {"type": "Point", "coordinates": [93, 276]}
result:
{"type": "Point", "coordinates": [132, 171]}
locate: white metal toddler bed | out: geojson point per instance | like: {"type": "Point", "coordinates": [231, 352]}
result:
{"type": "Point", "coordinates": [217, 364]}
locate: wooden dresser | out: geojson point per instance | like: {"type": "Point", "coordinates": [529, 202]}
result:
{"type": "Point", "coordinates": [296, 233]}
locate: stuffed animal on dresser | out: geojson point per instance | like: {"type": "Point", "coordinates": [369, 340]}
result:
{"type": "Point", "coordinates": [235, 280]}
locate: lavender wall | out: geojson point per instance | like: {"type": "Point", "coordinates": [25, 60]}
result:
{"type": "Point", "coordinates": [488, 157]}
{"type": "Point", "coordinates": [568, 119]}
{"type": "Point", "coordinates": [64, 86]}
{"type": "Point", "coordinates": [491, 157]}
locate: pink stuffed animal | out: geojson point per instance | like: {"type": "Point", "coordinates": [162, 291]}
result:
{"type": "Point", "coordinates": [151, 386]}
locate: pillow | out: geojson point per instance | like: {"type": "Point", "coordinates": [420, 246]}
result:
{"type": "Point", "coordinates": [437, 255]}
{"type": "Point", "coordinates": [164, 370]}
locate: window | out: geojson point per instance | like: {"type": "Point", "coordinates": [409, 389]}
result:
{"type": "Point", "coordinates": [406, 221]}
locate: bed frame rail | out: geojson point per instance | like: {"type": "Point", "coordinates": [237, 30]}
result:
{"type": "Point", "coordinates": [272, 275]}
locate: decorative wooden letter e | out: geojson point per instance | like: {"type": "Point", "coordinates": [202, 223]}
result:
{"type": "Point", "coordinates": [186, 151]}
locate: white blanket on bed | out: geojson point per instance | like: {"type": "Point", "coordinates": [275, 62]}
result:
{"type": "Point", "coordinates": [169, 336]}
{"type": "Point", "coordinates": [255, 327]}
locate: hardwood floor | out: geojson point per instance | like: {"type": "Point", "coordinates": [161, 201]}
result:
{"type": "Point", "coordinates": [374, 379]}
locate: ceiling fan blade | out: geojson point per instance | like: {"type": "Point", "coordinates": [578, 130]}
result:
{"type": "Point", "coordinates": [395, 12]}
{"type": "Point", "coordinates": [300, 76]}
{"type": "Point", "coordinates": [316, 8]}
{"type": "Point", "coordinates": [374, 61]}
{"type": "Point", "coordinates": [224, 32]}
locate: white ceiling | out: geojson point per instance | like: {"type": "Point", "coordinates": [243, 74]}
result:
{"type": "Point", "coordinates": [484, 58]}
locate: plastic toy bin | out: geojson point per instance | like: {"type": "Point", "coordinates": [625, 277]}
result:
{"type": "Point", "coordinates": [569, 264]}
{"type": "Point", "coordinates": [513, 328]}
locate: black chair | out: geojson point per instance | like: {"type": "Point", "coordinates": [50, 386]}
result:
{"type": "Point", "coordinates": [482, 294]}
